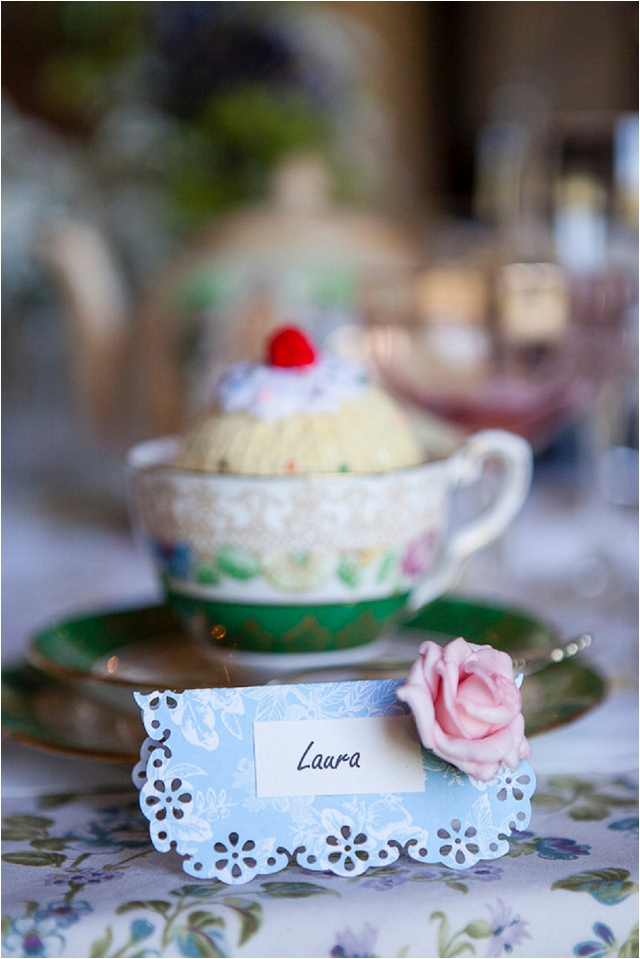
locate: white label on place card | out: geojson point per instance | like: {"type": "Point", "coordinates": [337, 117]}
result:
{"type": "Point", "coordinates": [333, 757]}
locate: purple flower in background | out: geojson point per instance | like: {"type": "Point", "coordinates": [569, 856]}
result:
{"type": "Point", "coordinates": [399, 874]}
{"type": "Point", "coordinates": [388, 877]}
{"type": "Point", "coordinates": [555, 847]}
{"type": "Point", "coordinates": [350, 945]}
{"type": "Point", "coordinates": [65, 913]}
{"type": "Point", "coordinates": [57, 879]}
{"type": "Point", "coordinates": [601, 948]}
{"type": "Point", "coordinates": [81, 877]}
{"type": "Point", "coordinates": [420, 554]}
{"type": "Point", "coordinates": [508, 930]}
{"type": "Point", "coordinates": [483, 871]}
{"type": "Point", "coordinates": [33, 937]}
{"type": "Point", "coordinates": [518, 834]}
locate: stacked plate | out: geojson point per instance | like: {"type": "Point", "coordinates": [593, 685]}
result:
{"type": "Point", "coordinates": [75, 693]}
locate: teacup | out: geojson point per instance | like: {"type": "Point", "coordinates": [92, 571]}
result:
{"type": "Point", "coordinates": [311, 563]}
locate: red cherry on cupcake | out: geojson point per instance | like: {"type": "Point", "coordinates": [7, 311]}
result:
{"type": "Point", "coordinates": [289, 347]}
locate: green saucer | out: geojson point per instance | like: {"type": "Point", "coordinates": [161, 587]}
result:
{"type": "Point", "coordinates": [149, 645]}
{"type": "Point", "coordinates": [75, 696]}
{"type": "Point", "coordinates": [504, 627]}
{"type": "Point", "coordinates": [64, 716]}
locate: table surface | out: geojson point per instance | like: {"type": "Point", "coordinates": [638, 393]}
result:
{"type": "Point", "coordinates": [81, 878]}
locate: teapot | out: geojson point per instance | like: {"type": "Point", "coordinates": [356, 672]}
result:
{"type": "Point", "coordinates": [145, 371]}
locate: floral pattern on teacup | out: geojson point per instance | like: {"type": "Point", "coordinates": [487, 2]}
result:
{"type": "Point", "coordinates": [420, 554]}
{"type": "Point", "coordinates": [297, 572]}
{"type": "Point", "coordinates": [383, 569]}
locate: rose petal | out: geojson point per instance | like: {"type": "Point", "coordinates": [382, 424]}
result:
{"type": "Point", "coordinates": [489, 700]}
{"type": "Point", "coordinates": [421, 705]}
{"type": "Point", "coordinates": [480, 758]}
{"type": "Point", "coordinates": [429, 659]}
{"type": "Point", "coordinates": [495, 661]}
{"type": "Point", "coordinates": [452, 659]}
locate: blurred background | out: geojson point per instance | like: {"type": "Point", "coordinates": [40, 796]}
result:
{"type": "Point", "coordinates": [447, 190]}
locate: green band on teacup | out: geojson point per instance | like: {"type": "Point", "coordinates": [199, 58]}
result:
{"type": "Point", "coordinates": [269, 628]}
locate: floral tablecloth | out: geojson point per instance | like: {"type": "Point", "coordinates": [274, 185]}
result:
{"type": "Point", "coordinates": [80, 878]}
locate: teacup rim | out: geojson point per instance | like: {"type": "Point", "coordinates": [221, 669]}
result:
{"type": "Point", "coordinates": [171, 442]}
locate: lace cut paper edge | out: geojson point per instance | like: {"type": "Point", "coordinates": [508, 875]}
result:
{"type": "Point", "coordinates": [350, 852]}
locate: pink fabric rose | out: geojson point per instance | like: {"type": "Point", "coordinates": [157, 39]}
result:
{"type": "Point", "coordinates": [467, 707]}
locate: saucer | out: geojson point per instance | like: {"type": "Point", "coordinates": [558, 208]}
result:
{"type": "Point", "coordinates": [75, 695]}
{"type": "Point", "coordinates": [150, 647]}
{"type": "Point", "coordinates": [66, 716]}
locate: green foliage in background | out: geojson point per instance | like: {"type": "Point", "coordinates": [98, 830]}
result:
{"type": "Point", "coordinates": [219, 144]}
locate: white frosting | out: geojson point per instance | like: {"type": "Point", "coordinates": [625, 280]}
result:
{"type": "Point", "coordinates": [273, 392]}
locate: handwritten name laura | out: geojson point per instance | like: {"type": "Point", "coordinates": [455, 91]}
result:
{"type": "Point", "coordinates": [320, 761]}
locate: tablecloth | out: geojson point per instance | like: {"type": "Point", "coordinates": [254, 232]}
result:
{"type": "Point", "coordinates": [81, 879]}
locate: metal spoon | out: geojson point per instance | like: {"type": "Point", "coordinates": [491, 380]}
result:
{"type": "Point", "coordinates": [531, 662]}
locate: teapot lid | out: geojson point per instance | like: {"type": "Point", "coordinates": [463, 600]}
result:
{"type": "Point", "coordinates": [300, 185]}
{"type": "Point", "coordinates": [299, 226]}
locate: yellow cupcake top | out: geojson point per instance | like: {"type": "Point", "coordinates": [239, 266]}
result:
{"type": "Point", "coordinates": [299, 413]}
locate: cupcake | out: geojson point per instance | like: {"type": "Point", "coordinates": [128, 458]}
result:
{"type": "Point", "coordinates": [299, 412]}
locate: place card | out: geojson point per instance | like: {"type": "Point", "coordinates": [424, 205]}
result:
{"type": "Point", "coordinates": [241, 782]}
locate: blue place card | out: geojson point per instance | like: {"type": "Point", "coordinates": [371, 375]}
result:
{"type": "Point", "coordinates": [332, 776]}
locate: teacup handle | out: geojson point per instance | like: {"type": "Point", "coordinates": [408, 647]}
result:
{"type": "Point", "coordinates": [466, 467]}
